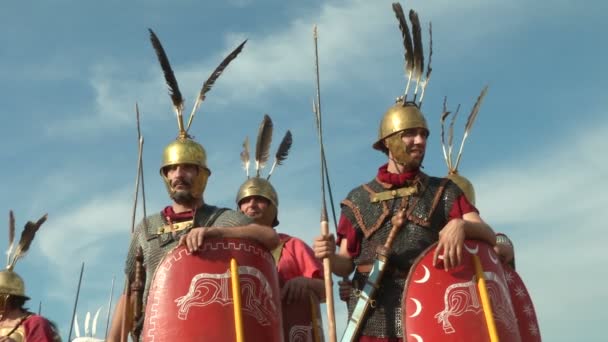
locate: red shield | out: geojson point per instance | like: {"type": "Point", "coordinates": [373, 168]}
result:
{"type": "Point", "coordinates": [446, 306]}
{"type": "Point", "coordinates": [302, 321]}
{"type": "Point", "coordinates": [191, 296]}
{"type": "Point", "coordinates": [524, 309]}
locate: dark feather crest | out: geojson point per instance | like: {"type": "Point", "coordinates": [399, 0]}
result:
{"type": "Point", "coordinates": [262, 146]}
{"type": "Point", "coordinates": [283, 149]}
{"type": "Point", "coordinates": [407, 39]}
{"type": "Point", "coordinates": [418, 50]}
{"type": "Point", "coordinates": [176, 95]}
{"type": "Point", "coordinates": [213, 77]}
{"type": "Point", "coordinates": [27, 236]}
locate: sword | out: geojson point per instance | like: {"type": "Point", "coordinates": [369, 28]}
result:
{"type": "Point", "coordinates": [366, 295]}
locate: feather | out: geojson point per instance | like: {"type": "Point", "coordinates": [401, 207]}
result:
{"type": "Point", "coordinates": [87, 320]}
{"type": "Point", "coordinates": [27, 236]}
{"type": "Point", "coordinates": [94, 326]}
{"type": "Point", "coordinates": [11, 235]}
{"type": "Point", "coordinates": [470, 122]}
{"type": "Point", "coordinates": [262, 145]}
{"type": "Point", "coordinates": [451, 135]}
{"type": "Point", "coordinates": [282, 152]}
{"type": "Point", "coordinates": [429, 70]}
{"type": "Point", "coordinates": [76, 327]}
{"type": "Point", "coordinates": [444, 116]}
{"type": "Point", "coordinates": [407, 39]}
{"type": "Point", "coordinates": [418, 50]}
{"type": "Point", "coordinates": [176, 95]}
{"type": "Point", "coordinates": [245, 156]}
{"type": "Point", "coordinates": [212, 78]}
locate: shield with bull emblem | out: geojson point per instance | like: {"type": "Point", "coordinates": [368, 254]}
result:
{"type": "Point", "coordinates": [439, 305]}
{"type": "Point", "coordinates": [191, 295]}
{"type": "Point", "coordinates": [522, 304]}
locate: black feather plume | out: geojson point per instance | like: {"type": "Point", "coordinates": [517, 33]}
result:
{"type": "Point", "coordinates": [212, 78]}
{"type": "Point", "coordinates": [407, 39]}
{"type": "Point", "coordinates": [176, 95]}
{"type": "Point", "coordinates": [262, 146]}
{"type": "Point", "coordinates": [27, 236]}
{"type": "Point", "coordinates": [282, 152]}
{"type": "Point", "coordinates": [418, 50]}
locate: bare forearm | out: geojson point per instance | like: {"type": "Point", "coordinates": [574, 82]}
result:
{"type": "Point", "coordinates": [341, 265]}
{"type": "Point", "coordinates": [479, 231]}
{"type": "Point", "coordinates": [264, 235]}
{"type": "Point", "coordinates": [117, 319]}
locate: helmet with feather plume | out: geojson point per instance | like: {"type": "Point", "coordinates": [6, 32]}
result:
{"type": "Point", "coordinates": [11, 284]}
{"type": "Point", "coordinates": [184, 150]}
{"type": "Point", "coordinates": [463, 183]}
{"type": "Point", "coordinates": [258, 185]}
{"type": "Point", "coordinates": [405, 113]}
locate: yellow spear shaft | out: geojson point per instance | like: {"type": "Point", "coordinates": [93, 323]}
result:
{"type": "Point", "coordinates": [236, 298]}
{"type": "Point", "coordinates": [485, 300]}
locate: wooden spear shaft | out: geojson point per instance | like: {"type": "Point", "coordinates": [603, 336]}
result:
{"type": "Point", "coordinates": [329, 293]}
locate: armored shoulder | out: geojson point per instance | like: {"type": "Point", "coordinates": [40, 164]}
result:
{"type": "Point", "coordinates": [231, 218]}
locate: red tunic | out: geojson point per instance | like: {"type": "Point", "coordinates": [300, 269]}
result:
{"type": "Point", "coordinates": [297, 260]}
{"type": "Point", "coordinates": [34, 328]}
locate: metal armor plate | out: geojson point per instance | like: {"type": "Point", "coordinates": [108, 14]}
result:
{"type": "Point", "coordinates": [191, 296]}
{"type": "Point", "coordinates": [446, 306]}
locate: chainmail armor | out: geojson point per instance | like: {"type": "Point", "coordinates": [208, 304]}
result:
{"type": "Point", "coordinates": [428, 213]}
{"type": "Point", "coordinates": [155, 246]}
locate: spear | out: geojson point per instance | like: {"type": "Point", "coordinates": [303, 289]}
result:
{"type": "Point", "coordinates": [109, 308]}
{"type": "Point", "coordinates": [329, 294]}
{"type": "Point", "coordinates": [76, 301]}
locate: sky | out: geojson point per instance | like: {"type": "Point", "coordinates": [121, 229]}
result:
{"type": "Point", "coordinates": [72, 71]}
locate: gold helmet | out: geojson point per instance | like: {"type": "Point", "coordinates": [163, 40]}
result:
{"type": "Point", "coordinates": [184, 150]}
{"type": "Point", "coordinates": [463, 183]}
{"type": "Point", "coordinates": [257, 185]}
{"type": "Point", "coordinates": [11, 284]}
{"type": "Point", "coordinates": [406, 114]}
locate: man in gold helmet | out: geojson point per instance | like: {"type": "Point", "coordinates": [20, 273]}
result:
{"type": "Point", "coordinates": [188, 220]}
{"type": "Point", "coordinates": [300, 273]}
{"type": "Point", "coordinates": [17, 323]}
{"type": "Point", "coordinates": [401, 200]}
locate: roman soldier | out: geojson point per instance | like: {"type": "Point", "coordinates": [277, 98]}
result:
{"type": "Point", "coordinates": [188, 220]}
{"type": "Point", "coordinates": [300, 273]}
{"type": "Point", "coordinates": [17, 323]}
{"type": "Point", "coordinates": [399, 213]}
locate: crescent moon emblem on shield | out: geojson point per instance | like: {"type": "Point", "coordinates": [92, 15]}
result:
{"type": "Point", "coordinates": [492, 256]}
{"type": "Point", "coordinates": [418, 307]}
{"type": "Point", "coordinates": [425, 277]}
{"type": "Point", "coordinates": [417, 337]}
{"type": "Point", "coordinates": [472, 250]}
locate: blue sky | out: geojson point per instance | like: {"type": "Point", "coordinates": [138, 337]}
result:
{"type": "Point", "coordinates": [71, 72]}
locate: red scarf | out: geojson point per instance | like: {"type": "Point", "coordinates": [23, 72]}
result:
{"type": "Point", "coordinates": [172, 216]}
{"type": "Point", "coordinates": [395, 179]}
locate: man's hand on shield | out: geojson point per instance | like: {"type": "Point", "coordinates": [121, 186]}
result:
{"type": "Point", "coordinates": [194, 239]}
{"type": "Point", "coordinates": [451, 242]}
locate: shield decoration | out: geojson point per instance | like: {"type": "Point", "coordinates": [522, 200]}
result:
{"type": "Point", "coordinates": [302, 321]}
{"type": "Point", "coordinates": [191, 297]}
{"type": "Point", "coordinates": [523, 307]}
{"type": "Point", "coordinates": [439, 305]}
